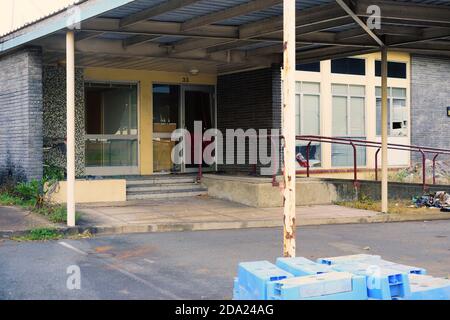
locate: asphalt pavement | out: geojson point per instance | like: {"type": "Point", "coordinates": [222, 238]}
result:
{"type": "Point", "coordinates": [198, 265]}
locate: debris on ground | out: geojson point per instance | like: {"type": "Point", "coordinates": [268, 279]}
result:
{"type": "Point", "coordinates": [438, 200]}
{"type": "Point", "coordinates": [413, 174]}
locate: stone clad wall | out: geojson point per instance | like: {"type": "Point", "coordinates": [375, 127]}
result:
{"type": "Point", "coordinates": [54, 106]}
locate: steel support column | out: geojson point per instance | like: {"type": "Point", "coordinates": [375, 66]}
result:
{"type": "Point", "coordinates": [70, 74]}
{"type": "Point", "coordinates": [289, 26]}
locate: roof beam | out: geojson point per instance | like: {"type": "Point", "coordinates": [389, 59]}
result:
{"type": "Point", "coordinates": [414, 23]}
{"type": "Point", "coordinates": [305, 30]}
{"type": "Point", "coordinates": [268, 50]}
{"type": "Point", "coordinates": [445, 53]}
{"type": "Point", "coordinates": [426, 35]}
{"type": "Point", "coordinates": [331, 38]}
{"type": "Point", "coordinates": [137, 40]}
{"type": "Point", "coordinates": [229, 46]}
{"type": "Point", "coordinates": [245, 8]}
{"type": "Point", "coordinates": [154, 11]}
{"type": "Point", "coordinates": [327, 38]}
{"type": "Point", "coordinates": [361, 23]}
{"type": "Point", "coordinates": [80, 36]}
{"type": "Point", "coordinates": [304, 18]}
{"type": "Point", "coordinates": [351, 33]}
{"type": "Point", "coordinates": [405, 10]}
{"type": "Point", "coordinates": [147, 50]}
{"type": "Point", "coordinates": [152, 28]}
{"type": "Point", "coordinates": [399, 30]}
{"type": "Point", "coordinates": [432, 45]}
{"type": "Point", "coordinates": [195, 44]}
{"type": "Point", "coordinates": [327, 53]}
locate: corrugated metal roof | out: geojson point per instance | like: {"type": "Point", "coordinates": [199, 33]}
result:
{"type": "Point", "coordinates": [204, 7]}
{"type": "Point", "coordinates": [41, 17]}
{"type": "Point", "coordinates": [132, 8]}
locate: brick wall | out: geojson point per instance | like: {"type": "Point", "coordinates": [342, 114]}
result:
{"type": "Point", "coordinates": [21, 111]}
{"type": "Point", "coordinates": [430, 90]}
{"type": "Point", "coordinates": [246, 100]}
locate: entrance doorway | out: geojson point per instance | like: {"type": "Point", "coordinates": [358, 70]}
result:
{"type": "Point", "coordinates": [175, 107]}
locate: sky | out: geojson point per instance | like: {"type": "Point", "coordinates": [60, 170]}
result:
{"type": "Point", "coordinates": [15, 13]}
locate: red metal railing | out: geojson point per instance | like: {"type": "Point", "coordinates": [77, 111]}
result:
{"type": "Point", "coordinates": [372, 144]}
{"type": "Point", "coordinates": [354, 143]}
{"type": "Point", "coordinates": [275, 159]}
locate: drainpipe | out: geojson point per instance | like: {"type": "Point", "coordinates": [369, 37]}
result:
{"type": "Point", "coordinates": [289, 172]}
{"type": "Point", "coordinates": [384, 131]}
{"type": "Point", "coordinates": [70, 74]}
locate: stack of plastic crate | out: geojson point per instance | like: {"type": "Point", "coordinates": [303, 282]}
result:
{"type": "Point", "coordinates": [355, 277]}
{"type": "Point", "coordinates": [296, 279]}
{"type": "Point", "coordinates": [390, 280]}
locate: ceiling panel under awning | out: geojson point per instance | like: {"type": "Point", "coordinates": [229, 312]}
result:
{"type": "Point", "coordinates": [235, 33]}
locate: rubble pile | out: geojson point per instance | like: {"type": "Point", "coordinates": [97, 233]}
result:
{"type": "Point", "coordinates": [438, 200]}
{"type": "Point", "coordinates": [414, 174]}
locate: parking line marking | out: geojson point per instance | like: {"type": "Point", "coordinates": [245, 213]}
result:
{"type": "Point", "coordinates": [68, 246]}
{"type": "Point", "coordinates": [125, 272]}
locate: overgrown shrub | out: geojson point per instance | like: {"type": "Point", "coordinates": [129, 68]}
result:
{"type": "Point", "coordinates": [53, 173]}
{"type": "Point", "coordinates": [15, 190]}
{"type": "Point", "coordinates": [31, 191]}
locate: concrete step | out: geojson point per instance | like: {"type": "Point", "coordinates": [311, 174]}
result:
{"type": "Point", "coordinates": [163, 187]}
{"type": "Point", "coordinates": [166, 195]}
{"type": "Point", "coordinates": [160, 181]}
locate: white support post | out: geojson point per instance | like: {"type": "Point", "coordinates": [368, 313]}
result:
{"type": "Point", "coordinates": [70, 74]}
{"type": "Point", "coordinates": [288, 128]}
{"type": "Point", "coordinates": [384, 130]}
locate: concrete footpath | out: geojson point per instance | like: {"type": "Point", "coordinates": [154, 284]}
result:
{"type": "Point", "coordinates": [14, 220]}
{"type": "Point", "coordinates": [195, 214]}
{"type": "Point", "coordinates": [204, 213]}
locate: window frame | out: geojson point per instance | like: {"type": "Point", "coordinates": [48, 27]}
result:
{"type": "Point", "coordinates": [301, 110]}
{"type": "Point", "coordinates": [300, 114]}
{"type": "Point", "coordinates": [364, 60]}
{"type": "Point", "coordinates": [378, 63]}
{"type": "Point", "coordinates": [349, 97]}
{"type": "Point", "coordinates": [115, 170]}
{"type": "Point", "coordinates": [391, 107]}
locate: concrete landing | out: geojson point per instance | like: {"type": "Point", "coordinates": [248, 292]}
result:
{"type": "Point", "coordinates": [204, 213]}
{"type": "Point", "coordinates": [15, 219]}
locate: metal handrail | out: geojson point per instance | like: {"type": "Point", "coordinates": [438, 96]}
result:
{"type": "Point", "coordinates": [373, 144]}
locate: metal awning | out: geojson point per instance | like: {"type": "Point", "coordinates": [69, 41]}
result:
{"type": "Point", "coordinates": [227, 35]}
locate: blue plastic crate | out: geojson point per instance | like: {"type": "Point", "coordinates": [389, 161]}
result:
{"type": "Point", "coordinates": [302, 267]}
{"type": "Point", "coordinates": [382, 283]}
{"type": "Point", "coordinates": [428, 288]}
{"type": "Point", "coordinates": [401, 267]}
{"type": "Point", "coordinates": [253, 278]}
{"type": "Point", "coordinates": [326, 286]}
{"type": "Point", "coordinates": [373, 260]}
{"type": "Point", "coordinates": [357, 258]}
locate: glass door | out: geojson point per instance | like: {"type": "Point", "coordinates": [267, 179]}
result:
{"type": "Point", "coordinates": [198, 105]}
{"type": "Point", "coordinates": [166, 119]}
{"type": "Point", "coordinates": [111, 129]}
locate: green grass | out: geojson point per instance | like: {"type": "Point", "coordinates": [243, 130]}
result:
{"type": "Point", "coordinates": [43, 234]}
{"type": "Point", "coordinates": [54, 213]}
{"type": "Point", "coordinates": [395, 207]}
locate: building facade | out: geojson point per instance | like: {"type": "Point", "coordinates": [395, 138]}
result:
{"type": "Point", "coordinates": [124, 118]}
